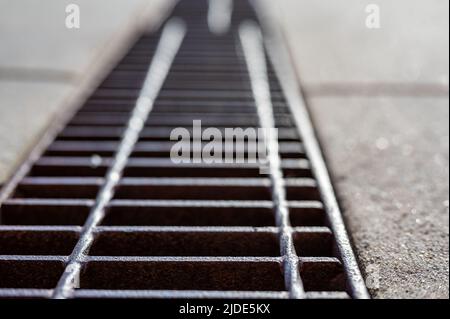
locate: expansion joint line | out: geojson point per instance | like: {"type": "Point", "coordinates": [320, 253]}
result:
{"type": "Point", "coordinates": [252, 44]}
{"type": "Point", "coordinates": [170, 42]}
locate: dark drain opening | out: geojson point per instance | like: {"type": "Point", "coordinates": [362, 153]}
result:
{"type": "Point", "coordinates": [314, 242]}
{"type": "Point", "coordinates": [307, 214]}
{"type": "Point", "coordinates": [37, 242]}
{"type": "Point", "coordinates": [323, 275]}
{"type": "Point", "coordinates": [45, 212]}
{"type": "Point", "coordinates": [60, 188]}
{"type": "Point", "coordinates": [172, 275]}
{"type": "Point", "coordinates": [145, 189]}
{"type": "Point", "coordinates": [142, 214]}
{"type": "Point", "coordinates": [21, 274]}
{"type": "Point", "coordinates": [185, 243]}
{"type": "Point", "coordinates": [68, 167]}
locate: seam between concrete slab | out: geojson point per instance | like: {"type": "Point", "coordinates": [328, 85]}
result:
{"type": "Point", "coordinates": [41, 75]}
{"type": "Point", "coordinates": [377, 89]}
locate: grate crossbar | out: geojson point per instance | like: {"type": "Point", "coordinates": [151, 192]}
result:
{"type": "Point", "coordinates": [251, 40]}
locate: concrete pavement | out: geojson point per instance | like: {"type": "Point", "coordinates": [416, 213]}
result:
{"type": "Point", "coordinates": [45, 67]}
{"type": "Point", "coordinates": [389, 161]}
{"type": "Point", "coordinates": [333, 45]}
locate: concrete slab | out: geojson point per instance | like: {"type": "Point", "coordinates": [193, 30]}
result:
{"type": "Point", "coordinates": [389, 158]}
{"type": "Point", "coordinates": [335, 50]}
{"type": "Point", "coordinates": [35, 40]}
{"type": "Point", "coordinates": [46, 68]}
{"type": "Point", "coordinates": [25, 111]}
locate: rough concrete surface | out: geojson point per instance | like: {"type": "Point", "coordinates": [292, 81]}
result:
{"type": "Point", "coordinates": [389, 161]}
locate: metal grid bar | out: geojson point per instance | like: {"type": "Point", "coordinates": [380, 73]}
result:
{"type": "Point", "coordinates": [148, 229]}
{"type": "Point", "coordinates": [256, 62]}
{"type": "Point", "coordinates": [171, 39]}
{"type": "Point", "coordinates": [183, 259]}
{"type": "Point", "coordinates": [282, 61]}
{"type": "Point", "coordinates": [183, 294]}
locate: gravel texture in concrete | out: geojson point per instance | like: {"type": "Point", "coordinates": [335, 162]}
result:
{"type": "Point", "coordinates": [389, 162]}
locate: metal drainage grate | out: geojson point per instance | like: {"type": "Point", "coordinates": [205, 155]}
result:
{"type": "Point", "coordinates": [103, 211]}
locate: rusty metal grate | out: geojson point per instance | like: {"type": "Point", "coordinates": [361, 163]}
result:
{"type": "Point", "coordinates": [103, 212]}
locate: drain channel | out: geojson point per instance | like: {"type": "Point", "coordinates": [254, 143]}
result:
{"type": "Point", "coordinates": [104, 211]}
